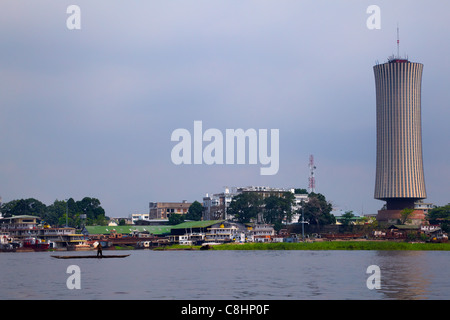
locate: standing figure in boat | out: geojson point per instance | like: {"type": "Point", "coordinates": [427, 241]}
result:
{"type": "Point", "coordinates": [99, 250]}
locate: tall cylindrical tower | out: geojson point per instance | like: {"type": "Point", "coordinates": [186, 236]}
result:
{"type": "Point", "coordinates": [399, 172]}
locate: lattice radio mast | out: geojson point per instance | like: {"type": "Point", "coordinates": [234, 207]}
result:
{"type": "Point", "coordinates": [312, 179]}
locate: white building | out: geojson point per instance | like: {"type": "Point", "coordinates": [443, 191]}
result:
{"type": "Point", "coordinates": [139, 217]}
{"type": "Point", "coordinates": [299, 199]}
{"type": "Point", "coordinates": [215, 205]}
{"type": "Point", "coordinates": [224, 234]}
{"type": "Point", "coordinates": [420, 205]}
{"type": "Point", "coordinates": [263, 232]}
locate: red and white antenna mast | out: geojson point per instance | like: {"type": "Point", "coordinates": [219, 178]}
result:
{"type": "Point", "coordinates": [312, 179]}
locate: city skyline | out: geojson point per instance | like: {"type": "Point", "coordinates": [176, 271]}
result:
{"type": "Point", "coordinates": [90, 112]}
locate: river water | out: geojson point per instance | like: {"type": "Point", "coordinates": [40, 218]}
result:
{"type": "Point", "coordinates": [205, 275]}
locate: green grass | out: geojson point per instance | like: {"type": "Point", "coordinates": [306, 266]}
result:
{"type": "Point", "coordinates": [337, 245]}
{"type": "Point", "coordinates": [123, 247]}
{"type": "Point", "coordinates": [176, 247]}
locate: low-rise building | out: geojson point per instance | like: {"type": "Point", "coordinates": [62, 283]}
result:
{"type": "Point", "coordinates": [125, 230]}
{"type": "Point", "coordinates": [263, 232]}
{"type": "Point", "coordinates": [429, 227]}
{"type": "Point", "coordinates": [64, 238]}
{"type": "Point", "coordinates": [20, 227]}
{"type": "Point", "coordinates": [137, 217]}
{"type": "Point", "coordinates": [421, 205]}
{"type": "Point", "coordinates": [224, 233]}
{"type": "Point", "coordinates": [163, 210]}
{"type": "Point", "coordinates": [25, 227]}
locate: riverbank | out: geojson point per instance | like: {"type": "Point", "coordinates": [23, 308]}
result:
{"type": "Point", "coordinates": [324, 245]}
{"type": "Point", "coordinates": [338, 245]}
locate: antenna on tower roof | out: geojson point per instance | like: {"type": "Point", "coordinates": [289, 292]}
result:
{"type": "Point", "coordinates": [398, 42]}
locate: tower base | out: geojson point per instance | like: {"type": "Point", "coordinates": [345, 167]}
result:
{"type": "Point", "coordinates": [394, 216]}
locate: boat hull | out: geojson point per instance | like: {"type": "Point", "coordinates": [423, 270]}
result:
{"type": "Point", "coordinates": [91, 257]}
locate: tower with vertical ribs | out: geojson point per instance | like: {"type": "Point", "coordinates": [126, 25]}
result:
{"type": "Point", "coordinates": [399, 176]}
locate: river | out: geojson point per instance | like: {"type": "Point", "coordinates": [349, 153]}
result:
{"type": "Point", "coordinates": [230, 275]}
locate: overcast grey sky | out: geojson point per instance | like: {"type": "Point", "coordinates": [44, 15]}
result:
{"type": "Point", "coordinates": [90, 112]}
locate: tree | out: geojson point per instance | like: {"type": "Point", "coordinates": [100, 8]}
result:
{"type": "Point", "coordinates": [440, 215]}
{"type": "Point", "coordinates": [195, 211]}
{"type": "Point", "coordinates": [347, 218]}
{"type": "Point", "coordinates": [246, 206]}
{"type": "Point", "coordinates": [277, 209]}
{"type": "Point", "coordinates": [55, 214]}
{"type": "Point", "coordinates": [175, 218]}
{"type": "Point", "coordinates": [91, 207]}
{"type": "Point", "coordinates": [317, 210]}
{"type": "Point", "coordinates": [300, 191]}
{"type": "Point", "coordinates": [405, 214]}
{"type": "Point", "coordinates": [30, 206]}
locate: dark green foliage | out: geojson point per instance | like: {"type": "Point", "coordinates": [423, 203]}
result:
{"type": "Point", "coordinates": [87, 211]}
{"type": "Point", "coordinates": [195, 211]}
{"type": "Point", "coordinates": [318, 210]}
{"type": "Point", "coordinates": [441, 216]}
{"type": "Point", "coordinates": [176, 219]}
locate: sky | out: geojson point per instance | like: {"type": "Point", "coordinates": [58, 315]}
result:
{"type": "Point", "coordinates": [90, 111]}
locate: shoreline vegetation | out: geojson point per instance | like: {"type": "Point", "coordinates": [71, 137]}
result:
{"type": "Point", "coordinates": [323, 245]}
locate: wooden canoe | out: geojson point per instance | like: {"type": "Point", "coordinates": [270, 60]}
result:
{"type": "Point", "coordinates": [91, 257]}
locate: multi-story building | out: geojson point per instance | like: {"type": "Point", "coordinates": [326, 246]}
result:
{"type": "Point", "coordinates": [25, 227]}
{"type": "Point", "coordinates": [20, 227]}
{"type": "Point", "coordinates": [424, 206]}
{"type": "Point", "coordinates": [223, 233]}
{"type": "Point", "coordinates": [399, 166]}
{"type": "Point", "coordinates": [265, 191]}
{"type": "Point", "coordinates": [136, 217]}
{"type": "Point", "coordinates": [263, 232]}
{"type": "Point", "coordinates": [163, 210]}
{"type": "Point", "coordinates": [215, 206]}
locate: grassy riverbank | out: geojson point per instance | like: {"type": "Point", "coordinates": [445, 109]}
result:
{"type": "Point", "coordinates": [324, 245]}
{"type": "Point", "coordinates": [337, 245]}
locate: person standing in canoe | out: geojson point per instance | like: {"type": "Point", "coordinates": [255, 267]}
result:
{"type": "Point", "coordinates": [99, 250]}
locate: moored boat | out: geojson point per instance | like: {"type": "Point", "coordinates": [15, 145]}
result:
{"type": "Point", "coordinates": [35, 244]}
{"type": "Point", "coordinates": [7, 244]}
{"type": "Point", "coordinates": [91, 256]}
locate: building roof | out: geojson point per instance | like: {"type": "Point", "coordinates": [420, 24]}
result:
{"type": "Point", "coordinates": [153, 229]}
{"type": "Point", "coordinates": [196, 224]}
{"type": "Point", "coordinates": [23, 217]}
{"type": "Point", "coordinates": [128, 229]}
{"type": "Point", "coordinates": [339, 212]}
{"type": "Point", "coordinates": [405, 227]}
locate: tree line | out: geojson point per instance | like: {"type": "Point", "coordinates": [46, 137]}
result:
{"type": "Point", "coordinates": [441, 216]}
{"type": "Point", "coordinates": [87, 211]}
{"type": "Point", "coordinates": [252, 207]}
{"type": "Point", "coordinates": [275, 209]}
